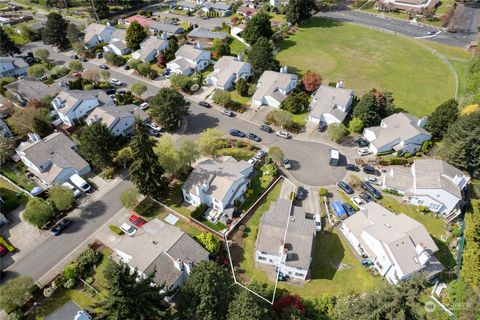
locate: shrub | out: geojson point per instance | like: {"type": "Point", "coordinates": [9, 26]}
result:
{"type": "Point", "coordinates": [426, 146]}
{"type": "Point", "coordinates": [407, 155]}
{"type": "Point", "coordinates": [88, 87]}
{"type": "Point", "coordinates": [199, 211]}
{"type": "Point", "coordinates": [72, 271]}
{"type": "Point", "coordinates": [424, 209]}
{"type": "Point", "coordinates": [115, 229]}
{"type": "Point", "coordinates": [38, 212]}
{"type": "Point", "coordinates": [181, 82]}
{"type": "Point", "coordinates": [108, 173]}
{"type": "Point", "coordinates": [16, 315]}
{"type": "Point", "coordinates": [88, 259]}
{"type": "Point", "coordinates": [114, 59]}
{"type": "Point", "coordinates": [337, 132]}
{"type": "Point", "coordinates": [10, 204]}
{"type": "Point", "coordinates": [70, 283]}
{"type": "Point", "coordinates": [209, 242]}
{"type": "Point", "coordinates": [89, 280]}
{"type": "Point", "coordinates": [145, 208]}
{"type": "Point", "coordinates": [144, 68]}
{"type": "Point", "coordinates": [7, 246]}
{"type": "Point", "coordinates": [60, 71]}
{"type": "Point", "coordinates": [323, 192]}
{"type": "Point", "coordinates": [222, 97]}
{"type": "Point", "coordinates": [392, 191]}
{"type": "Point", "coordinates": [48, 292]}
{"type": "Point", "coordinates": [457, 231]}
{"type": "Point", "coordinates": [242, 87]}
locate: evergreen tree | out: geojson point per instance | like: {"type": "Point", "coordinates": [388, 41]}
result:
{"type": "Point", "coordinates": [261, 57]}
{"type": "Point", "coordinates": [298, 11]}
{"type": "Point", "coordinates": [168, 107]}
{"type": "Point", "coordinates": [296, 102]}
{"type": "Point", "coordinates": [223, 49]}
{"type": "Point", "coordinates": [100, 10]}
{"type": "Point", "coordinates": [257, 27]}
{"type": "Point", "coordinates": [443, 116]}
{"type": "Point", "coordinates": [97, 144]}
{"type": "Point", "coordinates": [242, 87]}
{"type": "Point", "coordinates": [7, 46]}
{"type": "Point", "coordinates": [74, 34]}
{"type": "Point", "coordinates": [373, 107]}
{"type": "Point", "coordinates": [55, 31]}
{"type": "Point", "coordinates": [42, 124]}
{"type": "Point", "coordinates": [246, 306]}
{"type": "Point", "coordinates": [135, 35]}
{"type": "Point", "coordinates": [145, 170]}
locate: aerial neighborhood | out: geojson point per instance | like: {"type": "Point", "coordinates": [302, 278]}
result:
{"type": "Point", "coordinates": [227, 160]}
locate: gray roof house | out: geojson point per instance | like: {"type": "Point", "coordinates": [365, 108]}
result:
{"type": "Point", "coordinates": [227, 70]}
{"type": "Point", "coordinates": [69, 311]}
{"type": "Point", "coordinates": [330, 105]}
{"type": "Point", "coordinates": [273, 87]}
{"type": "Point", "coordinates": [28, 88]}
{"type": "Point", "coordinates": [432, 183]}
{"type": "Point", "coordinates": [118, 119]}
{"type": "Point", "coordinates": [205, 37]}
{"type": "Point", "coordinates": [52, 159]}
{"type": "Point", "coordinates": [400, 132]}
{"type": "Point", "coordinates": [96, 33]}
{"type": "Point", "coordinates": [398, 245]}
{"type": "Point", "coordinates": [12, 67]}
{"type": "Point", "coordinates": [150, 48]}
{"type": "Point", "coordinates": [5, 130]}
{"type": "Point", "coordinates": [286, 239]}
{"type": "Point", "coordinates": [189, 59]}
{"type": "Point", "coordinates": [164, 249]}
{"type": "Point", "coordinates": [169, 29]}
{"type": "Point", "coordinates": [117, 43]}
{"type": "Point", "coordinates": [222, 8]}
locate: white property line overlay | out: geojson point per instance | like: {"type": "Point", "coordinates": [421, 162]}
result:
{"type": "Point", "coordinates": [284, 238]}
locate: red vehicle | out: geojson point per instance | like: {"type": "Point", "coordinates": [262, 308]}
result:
{"type": "Point", "coordinates": [136, 220]}
{"type": "Point", "coordinates": [3, 251]}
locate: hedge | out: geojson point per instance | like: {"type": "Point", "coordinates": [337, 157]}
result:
{"type": "Point", "coordinates": [7, 246]}
{"type": "Point", "coordinates": [199, 211]}
{"type": "Point", "coordinates": [115, 229]}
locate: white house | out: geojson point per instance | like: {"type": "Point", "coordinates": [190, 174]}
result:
{"type": "Point", "coordinates": [72, 105]}
{"type": "Point", "coordinates": [96, 33]}
{"type": "Point", "coordinates": [227, 71]}
{"type": "Point", "coordinates": [292, 257]}
{"type": "Point", "coordinates": [398, 245]}
{"type": "Point", "coordinates": [5, 130]}
{"type": "Point", "coordinates": [223, 9]}
{"type": "Point", "coordinates": [52, 159]}
{"type": "Point", "coordinates": [330, 105]}
{"type": "Point", "coordinates": [118, 119]}
{"type": "Point", "coordinates": [150, 48]}
{"type": "Point", "coordinates": [432, 183]}
{"type": "Point", "coordinates": [117, 44]}
{"type": "Point", "coordinates": [400, 132]}
{"type": "Point", "coordinates": [189, 59]}
{"type": "Point", "coordinates": [161, 248]}
{"type": "Point", "coordinates": [273, 87]}
{"type": "Point", "coordinates": [217, 183]}
{"type": "Point", "coordinates": [189, 5]}
{"type": "Point", "coordinates": [12, 67]}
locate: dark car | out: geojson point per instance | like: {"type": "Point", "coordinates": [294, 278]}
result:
{"type": "Point", "coordinates": [349, 209]}
{"type": "Point", "coordinates": [237, 133]}
{"type": "Point", "coordinates": [111, 91]}
{"type": "Point", "coordinates": [365, 196]}
{"type": "Point", "coordinates": [360, 142]}
{"type": "Point", "coordinates": [368, 187]}
{"type": "Point", "coordinates": [126, 67]}
{"type": "Point", "coordinates": [59, 227]}
{"type": "Point", "coordinates": [322, 126]}
{"type": "Point", "coordinates": [204, 104]}
{"type": "Point", "coordinates": [254, 137]}
{"type": "Point", "coordinates": [346, 187]}
{"type": "Point", "coordinates": [352, 167]}
{"type": "Point", "coordinates": [301, 193]}
{"type": "Point", "coordinates": [154, 133]}
{"type": "Point", "coordinates": [83, 59]}
{"type": "Point", "coordinates": [74, 56]}
{"type": "Point", "coordinates": [136, 220]}
{"type": "Point", "coordinates": [99, 55]}
{"type": "Point", "coordinates": [266, 128]}
{"type": "Point", "coordinates": [103, 66]}
{"type": "Point", "coordinates": [370, 170]}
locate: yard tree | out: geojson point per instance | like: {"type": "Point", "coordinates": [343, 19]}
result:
{"type": "Point", "coordinates": [261, 57]}
{"type": "Point", "coordinates": [180, 82]}
{"type": "Point", "coordinates": [206, 293]}
{"type": "Point", "coordinates": [287, 304]}
{"type": "Point", "coordinates": [75, 66]}
{"type": "Point", "coordinates": [461, 144]}
{"type": "Point", "coordinates": [135, 35]}
{"type": "Point", "coordinates": [210, 141]}
{"type": "Point", "coordinates": [355, 125]}
{"type": "Point", "coordinates": [176, 162]}
{"type": "Point", "coordinates": [296, 102]}
{"type": "Point", "coordinates": [246, 306]}
{"type": "Point", "coordinates": [99, 9]}
{"type": "Point", "coordinates": [123, 157]}
{"type": "Point", "coordinates": [97, 144]}
{"type": "Point", "coordinates": [257, 27]}
{"type": "Point", "coordinates": [337, 132]}
{"type": "Point", "coordinates": [55, 31]}
{"type": "Point", "coordinates": [168, 107]}
{"type": "Point", "coordinates": [129, 198]}
{"type": "Point", "coordinates": [61, 197]}
{"type": "Point", "coordinates": [74, 34]}
{"type": "Point", "coordinates": [15, 292]}
{"type": "Point", "coordinates": [443, 116]}
{"type": "Point", "coordinates": [131, 296]}
{"type": "Point", "coordinates": [145, 170]}
{"type": "Point", "coordinates": [7, 46]}
{"type": "Point", "coordinates": [311, 81]}
{"type": "Point", "coordinates": [91, 75]}
{"type": "Point", "coordinates": [222, 97]}
{"type": "Point", "coordinates": [105, 75]}
{"type": "Point", "coordinates": [242, 87]}
{"type": "Point", "coordinates": [298, 11]}
{"type": "Point", "coordinates": [28, 120]}
{"type": "Point", "coordinates": [161, 60]}
{"type": "Point", "coordinates": [209, 242]}
{"type": "Point", "coordinates": [37, 70]}
{"type": "Point", "coordinates": [42, 54]}
{"type": "Point", "coordinates": [7, 148]}
{"type": "Point", "coordinates": [144, 68]}
{"type": "Point", "coordinates": [79, 48]}
{"type": "Point", "coordinates": [42, 124]}
{"type": "Point", "coordinates": [38, 212]}
{"type": "Point", "coordinates": [222, 48]}
{"type": "Point", "coordinates": [138, 89]}
{"type": "Point", "coordinates": [373, 107]}
{"type": "Point", "coordinates": [281, 117]}
{"type": "Point", "coordinates": [276, 154]}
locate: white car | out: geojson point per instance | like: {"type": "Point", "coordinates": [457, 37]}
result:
{"type": "Point", "coordinates": [76, 192]}
{"type": "Point", "coordinates": [363, 151]}
{"type": "Point", "coordinates": [227, 112]}
{"type": "Point", "coordinates": [116, 82]}
{"type": "Point", "coordinates": [283, 134]}
{"type": "Point", "coordinates": [358, 202]}
{"type": "Point", "coordinates": [253, 161]}
{"type": "Point", "coordinates": [128, 229]}
{"type": "Point", "coordinates": [155, 126]}
{"type": "Point", "coordinates": [373, 180]}
{"type": "Point", "coordinates": [286, 164]}
{"type": "Point", "coordinates": [144, 106]}
{"type": "Point", "coordinates": [318, 222]}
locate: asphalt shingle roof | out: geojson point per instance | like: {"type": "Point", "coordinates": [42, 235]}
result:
{"type": "Point", "coordinates": [66, 312]}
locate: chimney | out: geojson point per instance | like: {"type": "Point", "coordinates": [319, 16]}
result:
{"type": "Point", "coordinates": [284, 69]}
{"type": "Point", "coordinates": [199, 46]}
{"type": "Point", "coordinates": [339, 84]}
{"type": "Point", "coordinates": [188, 266]}
{"type": "Point", "coordinates": [164, 36]}
{"type": "Point", "coordinates": [33, 137]}
{"type": "Point", "coordinates": [422, 121]}
{"type": "Point", "coordinates": [178, 264]}
{"type": "Point", "coordinates": [239, 57]}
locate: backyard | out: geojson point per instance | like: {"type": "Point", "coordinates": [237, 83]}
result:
{"type": "Point", "coordinates": [366, 59]}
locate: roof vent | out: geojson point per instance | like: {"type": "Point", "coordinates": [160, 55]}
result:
{"type": "Point", "coordinates": [387, 225]}
{"type": "Point", "coordinates": [50, 151]}
{"type": "Point", "coordinates": [155, 242]}
{"type": "Point", "coordinates": [292, 218]}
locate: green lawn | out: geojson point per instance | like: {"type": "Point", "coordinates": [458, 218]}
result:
{"type": "Point", "coordinates": [7, 190]}
{"type": "Point", "coordinates": [236, 47]}
{"type": "Point", "coordinates": [366, 59]}
{"type": "Point", "coordinates": [237, 153]}
{"type": "Point", "coordinates": [18, 178]}
{"type": "Point", "coordinates": [277, 17]}
{"type": "Point", "coordinates": [162, 213]}
{"type": "Point", "coordinates": [239, 99]}
{"type": "Point", "coordinates": [300, 118]}
{"type": "Point", "coordinates": [258, 184]}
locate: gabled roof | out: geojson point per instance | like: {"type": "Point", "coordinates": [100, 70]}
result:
{"type": "Point", "coordinates": [30, 88]}
{"type": "Point", "coordinates": [69, 311]}
{"type": "Point", "coordinates": [95, 29]}
{"type": "Point", "coordinates": [327, 99]}
{"type": "Point", "coordinates": [120, 34]}
{"type": "Point", "coordinates": [225, 67]}
{"type": "Point", "coordinates": [217, 6]}
{"type": "Point", "coordinates": [143, 21]}
{"type": "Point", "coordinates": [189, 52]}
{"type": "Point", "coordinates": [15, 63]}
{"type": "Point", "coordinates": [111, 115]}
{"type": "Point", "coordinates": [72, 98]}
{"type": "Point", "coordinates": [165, 27]}
{"type": "Point", "coordinates": [204, 33]}
{"type": "Point", "coordinates": [270, 82]}
{"type": "Point", "coordinates": [150, 44]}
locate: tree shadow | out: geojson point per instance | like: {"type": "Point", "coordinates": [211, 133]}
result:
{"type": "Point", "coordinates": [328, 255]}
{"type": "Point", "coordinates": [320, 22]}
{"type": "Point", "coordinates": [444, 255]}
{"type": "Point", "coordinates": [197, 123]}
{"type": "Point", "coordinates": [295, 165]}
{"type": "Point", "coordinates": [93, 210]}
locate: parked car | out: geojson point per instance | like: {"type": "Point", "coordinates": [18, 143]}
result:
{"type": "Point", "coordinates": [266, 128]}
{"type": "Point", "coordinates": [370, 170]}
{"type": "Point", "coordinates": [155, 127]}
{"type": "Point", "coordinates": [322, 126]}
{"type": "Point", "coordinates": [154, 133]}
{"type": "Point", "coordinates": [301, 193]}
{"type": "Point", "coordinates": [144, 106]}
{"type": "Point", "coordinates": [126, 67]}
{"type": "Point", "coordinates": [116, 82]}
{"type": "Point", "coordinates": [373, 180]}
{"type": "Point", "coordinates": [228, 113]}
{"type": "Point", "coordinates": [352, 167]}
{"type": "Point", "coordinates": [374, 192]}
{"type": "Point", "coordinates": [365, 196]}
{"type": "Point", "coordinates": [364, 151]}
{"type": "Point", "coordinates": [59, 227]}
{"type": "Point", "coordinates": [318, 222]}
{"type": "Point", "coordinates": [99, 55]}
{"type": "Point", "coordinates": [345, 187]}
{"type": "Point", "coordinates": [80, 183]}
{"type": "Point", "coordinates": [283, 134]}
{"type": "Point", "coordinates": [103, 66]}
{"type": "Point", "coordinates": [74, 56]}
{"type": "Point", "coordinates": [286, 164]}
{"type": "Point", "coordinates": [43, 78]}
{"type": "Point", "coordinates": [360, 142]}
{"type": "Point", "coordinates": [136, 220]}
{"type": "Point", "coordinates": [253, 161]}
{"type": "Point", "coordinates": [83, 59]}
{"type": "Point", "coordinates": [237, 133]}
{"type": "Point", "coordinates": [204, 104]}
{"type": "Point", "coordinates": [76, 192]}
{"type": "Point", "coordinates": [358, 202]}
{"type": "Point", "coordinates": [260, 154]}
{"type": "Point", "coordinates": [111, 91]}
{"type": "Point", "coordinates": [348, 208]}
{"type": "Point", "coordinates": [3, 251]}
{"type": "Point", "coordinates": [128, 229]}
{"type": "Point", "coordinates": [254, 137]}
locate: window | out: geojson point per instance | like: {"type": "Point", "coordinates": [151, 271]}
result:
{"type": "Point", "coordinates": [379, 265]}
{"type": "Point", "coordinates": [434, 206]}
{"type": "Point", "coordinates": [261, 258]}
{"type": "Point", "coordinates": [420, 201]}
{"type": "Point", "coordinates": [298, 274]}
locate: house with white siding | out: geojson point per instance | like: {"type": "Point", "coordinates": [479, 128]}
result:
{"type": "Point", "coordinates": [273, 87]}
{"type": "Point", "coordinates": [330, 104]}
{"type": "Point", "coordinates": [150, 47]}
{"type": "Point", "coordinates": [12, 67]}
{"type": "Point", "coordinates": [96, 33]}
{"type": "Point", "coordinates": [118, 119]}
{"type": "Point", "coordinates": [189, 59]}
{"type": "Point", "coordinates": [227, 70]}
{"type": "Point", "coordinates": [117, 44]}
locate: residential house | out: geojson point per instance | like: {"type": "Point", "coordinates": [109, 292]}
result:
{"type": "Point", "coordinates": [96, 33]}
{"type": "Point", "coordinates": [165, 28]}
{"type": "Point", "coordinates": [227, 70]}
{"type": "Point", "coordinates": [69, 311]}
{"type": "Point", "coordinates": [398, 245]}
{"type": "Point", "coordinates": [12, 67]}
{"type": "Point", "coordinates": [72, 105]}
{"type": "Point", "coordinates": [118, 119]}
{"type": "Point", "coordinates": [164, 249]}
{"type": "Point", "coordinates": [5, 130]}
{"type": "Point", "coordinates": [431, 183]}
{"type": "Point", "coordinates": [189, 59]}
{"type": "Point", "coordinates": [26, 89]}
{"type": "Point", "coordinates": [223, 9]}
{"type": "Point", "coordinates": [400, 132]}
{"type": "Point", "coordinates": [52, 159]}
{"type": "Point", "coordinates": [189, 5]}
{"type": "Point", "coordinates": [246, 12]}
{"type": "Point", "coordinates": [417, 6]}
{"type": "Point", "coordinates": [330, 105]}
{"type": "Point", "coordinates": [118, 43]}
{"type": "Point", "coordinates": [141, 20]}
{"type": "Point", "coordinates": [205, 37]}
{"type": "Point", "coordinates": [150, 48]}
{"type": "Point", "coordinates": [286, 239]}
{"type": "Point", "coordinates": [217, 183]}
{"type": "Point", "coordinates": [273, 87]}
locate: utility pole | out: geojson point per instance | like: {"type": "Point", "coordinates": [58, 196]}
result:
{"type": "Point", "coordinates": [94, 10]}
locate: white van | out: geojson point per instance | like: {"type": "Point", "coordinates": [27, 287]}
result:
{"type": "Point", "coordinates": [318, 222]}
{"type": "Point", "coordinates": [80, 183]}
{"type": "Point", "coordinates": [75, 191]}
{"type": "Point", "coordinates": [128, 229]}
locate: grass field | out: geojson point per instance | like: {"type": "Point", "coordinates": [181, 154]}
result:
{"type": "Point", "coordinates": [366, 59]}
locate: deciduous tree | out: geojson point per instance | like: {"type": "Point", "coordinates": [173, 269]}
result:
{"type": "Point", "coordinates": [296, 102]}
{"type": "Point", "coordinates": [298, 11]}
{"type": "Point", "coordinates": [337, 132]}
{"type": "Point", "coordinates": [97, 144]}
{"type": "Point", "coordinates": [181, 82]}
{"type": "Point", "coordinates": [311, 80]}
{"type": "Point", "coordinates": [261, 57]}
{"type": "Point", "coordinates": [257, 27]}
{"type": "Point", "coordinates": [99, 9]}
{"type": "Point", "coordinates": [355, 125]}
{"type": "Point", "coordinates": [91, 75]}
{"type": "Point", "coordinates": [15, 293]}
{"type": "Point", "coordinates": [129, 198]}
{"type": "Point", "coordinates": [276, 154]}
{"type": "Point", "coordinates": [168, 107]}
{"type": "Point", "coordinates": [247, 306]}
{"type": "Point", "coordinates": [123, 157]}
{"type": "Point", "coordinates": [242, 87]}
{"type": "Point", "coordinates": [135, 35]}
{"type": "Point", "coordinates": [75, 66]}
{"type": "Point", "coordinates": [222, 97]}
{"type": "Point", "coordinates": [443, 116]}
{"type": "Point", "coordinates": [161, 60]}
{"type": "Point", "coordinates": [55, 31]}
{"type": "Point", "coordinates": [23, 121]}
{"type": "Point", "coordinates": [7, 46]}
{"type": "Point", "coordinates": [42, 54]}
{"type": "Point", "coordinates": [74, 34]}
{"type": "Point", "coordinates": [7, 148]}
{"type": "Point", "coordinates": [138, 89]}
{"type": "Point", "coordinates": [210, 141]}
{"type": "Point", "coordinates": [38, 212]}
{"type": "Point", "coordinates": [105, 75]}
{"type": "Point", "coordinates": [37, 71]}
{"type": "Point", "coordinates": [176, 162]}
{"type": "Point", "coordinates": [61, 197]}
{"type": "Point", "coordinates": [209, 242]}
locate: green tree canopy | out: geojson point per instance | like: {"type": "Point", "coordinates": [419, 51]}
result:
{"type": "Point", "coordinates": [209, 242]}
{"type": "Point", "coordinates": [7, 148]}
{"type": "Point", "coordinates": [257, 27]}
{"type": "Point", "coordinates": [246, 306]}
{"type": "Point", "coordinates": [242, 87]}
{"type": "Point", "coordinates": [296, 102]}
{"type": "Point", "coordinates": [176, 162]}
{"type": "Point", "coordinates": [276, 154]}
{"type": "Point", "coordinates": [443, 116]}
{"type": "Point", "coordinates": [222, 97]}
{"type": "Point", "coordinates": [471, 255]}
{"type": "Point", "coordinates": [42, 54]}
{"type": "Point", "coordinates": [75, 65]}
{"type": "Point", "coordinates": [181, 82]}
{"type": "Point", "coordinates": [7, 46]}
{"type": "Point", "coordinates": [223, 49]}
{"type": "Point", "coordinates": [337, 132]}
{"type": "Point", "coordinates": [373, 107]}
{"type": "Point", "coordinates": [298, 11]}
{"type": "Point", "coordinates": [210, 141]}
{"type": "Point", "coordinates": [55, 31]}
{"type": "Point", "coordinates": [99, 9]}
{"type": "Point", "coordinates": [15, 293]}
{"type": "Point", "coordinates": [74, 34]}
{"type": "Point", "coordinates": [123, 157]}
{"type": "Point", "coordinates": [135, 35]}
{"type": "Point", "coordinates": [355, 125]}
{"type": "Point", "coordinates": [61, 197]}
{"type": "Point", "coordinates": [28, 120]}
{"type": "Point", "coordinates": [261, 57]}
{"type": "Point", "coordinates": [129, 198]}
{"type": "Point", "coordinates": [37, 71]}
{"type": "Point", "coordinates": [168, 107]}
{"type": "Point", "coordinates": [138, 89]}
{"type": "Point", "coordinates": [38, 212]}
{"type": "Point", "coordinates": [97, 144]}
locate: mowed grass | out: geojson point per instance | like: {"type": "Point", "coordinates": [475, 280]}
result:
{"type": "Point", "coordinates": [366, 59]}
